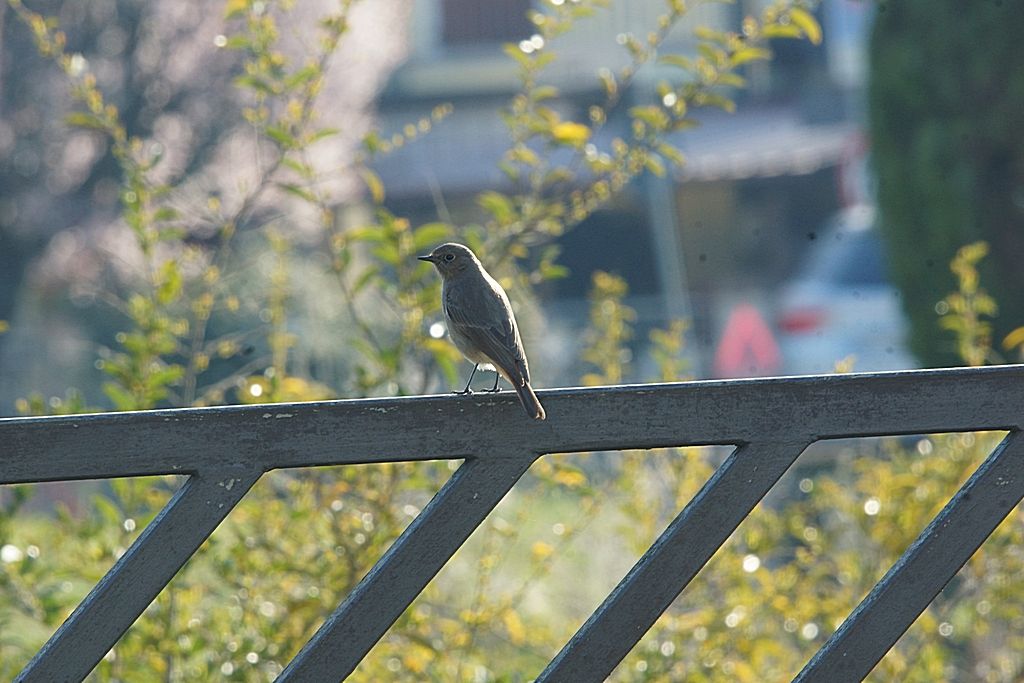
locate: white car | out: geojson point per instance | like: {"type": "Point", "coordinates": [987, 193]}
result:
{"type": "Point", "coordinates": [841, 311]}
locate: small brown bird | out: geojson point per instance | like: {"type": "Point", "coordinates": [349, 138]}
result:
{"type": "Point", "coordinates": [481, 323]}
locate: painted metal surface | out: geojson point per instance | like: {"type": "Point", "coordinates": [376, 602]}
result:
{"type": "Point", "coordinates": [925, 568]}
{"type": "Point", "coordinates": [406, 568]}
{"type": "Point", "coordinates": [769, 420]}
{"type": "Point", "coordinates": [139, 575]}
{"type": "Point", "coordinates": [672, 562]}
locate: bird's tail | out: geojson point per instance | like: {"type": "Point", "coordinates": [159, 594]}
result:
{"type": "Point", "coordinates": [529, 400]}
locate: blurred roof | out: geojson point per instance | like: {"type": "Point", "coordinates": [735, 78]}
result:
{"type": "Point", "coordinates": [462, 153]}
{"type": "Point", "coordinates": [762, 143]}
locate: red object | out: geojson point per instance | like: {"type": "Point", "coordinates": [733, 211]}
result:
{"type": "Point", "coordinates": [748, 347]}
{"type": "Point", "coordinates": [802, 320]}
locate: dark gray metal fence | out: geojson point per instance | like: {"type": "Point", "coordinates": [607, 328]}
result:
{"type": "Point", "coordinates": [225, 450]}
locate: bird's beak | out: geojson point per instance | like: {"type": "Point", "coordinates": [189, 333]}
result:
{"type": "Point", "coordinates": [429, 258]}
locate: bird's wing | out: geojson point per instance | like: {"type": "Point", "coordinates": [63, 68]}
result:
{"type": "Point", "coordinates": [491, 326]}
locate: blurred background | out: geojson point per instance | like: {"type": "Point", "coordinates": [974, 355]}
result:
{"type": "Point", "coordinates": [216, 202]}
{"type": "Point", "coordinates": [768, 240]}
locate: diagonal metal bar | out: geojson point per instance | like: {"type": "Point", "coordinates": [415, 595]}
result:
{"type": "Point", "coordinates": [672, 562]}
{"type": "Point", "coordinates": [138, 576]}
{"type": "Point", "coordinates": [924, 569]}
{"type": "Point", "coordinates": [406, 568]}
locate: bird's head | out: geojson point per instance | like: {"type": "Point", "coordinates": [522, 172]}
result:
{"type": "Point", "coordinates": [451, 258]}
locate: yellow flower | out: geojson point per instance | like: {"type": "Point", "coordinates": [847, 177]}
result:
{"type": "Point", "coordinates": [570, 133]}
{"type": "Point", "coordinates": [541, 550]}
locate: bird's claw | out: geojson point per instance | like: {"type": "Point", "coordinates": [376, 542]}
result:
{"type": "Point", "coordinates": [464, 392]}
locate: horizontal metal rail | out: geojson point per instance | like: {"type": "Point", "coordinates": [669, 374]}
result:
{"type": "Point", "coordinates": [224, 451]}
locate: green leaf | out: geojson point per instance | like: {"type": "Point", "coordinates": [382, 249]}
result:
{"type": "Point", "coordinates": [671, 153]}
{"type": "Point", "coordinates": [677, 60]}
{"type": "Point", "coordinates": [611, 87]}
{"type": "Point", "coordinates": [781, 31]}
{"type": "Point", "coordinates": [303, 76]}
{"type": "Point", "coordinates": [166, 213]}
{"type": "Point", "coordinates": [165, 376]}
{"type": "Point", "coordinates": [580, 11]}
{"type": "Point", "coordinates": [498, 205]}
{"type": "Point", "coordinates": [523, 155]}
{"type": "Point", "coordinates": [430, 233]}
{"type": "Point", "coordinates": [716, 55]}
{"type": "Point", "coordinates": [807, 24]}
{"type": "Point", "coordinates": [542, 59]}
{"type": "Point", "coordinates": [298, 191]}
{"type": "Point", "coordinates": [448, 368]}
{"type": "Point", "coordinates": [235, 9]}
{"type": "Point", "coordinates": [299, 167]}
{"type": "Point", "coordinates": [553, 271]}
{"type": "Point", "coordinates": [373, 184]}
{"type": "Point", "coordinates": [169, 279]}
{"type": "Point", "coordinates": [731, 79]}
{"type": "Point", "coordinates": [683, 124]}
{"type": "Point", "coordinates": [254, 83]}
{"type": "Point", "coordinates": [369, 233]}
{"type": "Point", "coordinates": [513, 51]}
{"type": "Point", "coordinates": [509, 170]}
{"type": "Point", "coordinates": [558, 175]}
{"type": "Point", "coordinates": [371, 142]}
{"type": "Point", "coordinates": [365, 278]}
{"type": "Point", "coordinates": [1014, 339]}
{"type": "Point", "coordinates": [239, 42]}
{"type": "Point", "coordinates": [654, 165]}
{"type": "Point", "coordinates": [543, 92]}
{"type": "Point", "coordinates": [709, 34]}
{"type": "Point", "coordinates": [652, 115]}
{"type": "Point", "coordinates": [749, 54]}
{"type": "Point", "coordinates": [388, 253]}
{"type": "Point", "coordinates": [445, 355]}
{"type": "Point", "coordinates": [81, 119]}
{"type": "Point", "coordinates": [713, 99]}
{"type": "Point", "coordinates": [110, 512]}
{"type": "Point", "coordinates": [324, 133]}
{"type": "Point", "coordinates": [282, 137]}
{"type": "Point", "coordinates": [121, 399]}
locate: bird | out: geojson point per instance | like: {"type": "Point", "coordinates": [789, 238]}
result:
{"type": "Point", "coordinates": [481, 323]}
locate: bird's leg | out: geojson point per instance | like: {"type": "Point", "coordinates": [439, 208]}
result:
{"type": "Point", "coordinates": [495, 389]}
{"type": "Point", "coordinates": [467, 390]}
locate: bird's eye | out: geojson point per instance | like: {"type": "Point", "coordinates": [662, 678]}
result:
{"type": "Point", "coordinates": [449, 257]}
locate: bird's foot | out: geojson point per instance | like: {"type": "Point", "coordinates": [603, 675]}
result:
{"type": "Point", "coordinates": [465, 392]}
{"type": "Point", "coordinates": [495, 390]}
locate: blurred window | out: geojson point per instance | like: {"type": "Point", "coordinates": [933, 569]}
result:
{"type": "Point", "coordinates": [475, 22]}
{"type": "Point", "coordinates": [618, 241]}
{"type": "Point", "coordinates": [849, 258]}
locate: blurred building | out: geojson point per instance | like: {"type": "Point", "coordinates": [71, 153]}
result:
{"type": "Point", "coordinates": [724, 229]}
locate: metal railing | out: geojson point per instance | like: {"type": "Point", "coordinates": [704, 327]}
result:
{"type": "Point", "coordinates": [224, 451]}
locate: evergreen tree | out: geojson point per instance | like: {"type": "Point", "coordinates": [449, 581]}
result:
{"type": "Point", "coordinates": [946, 107]}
